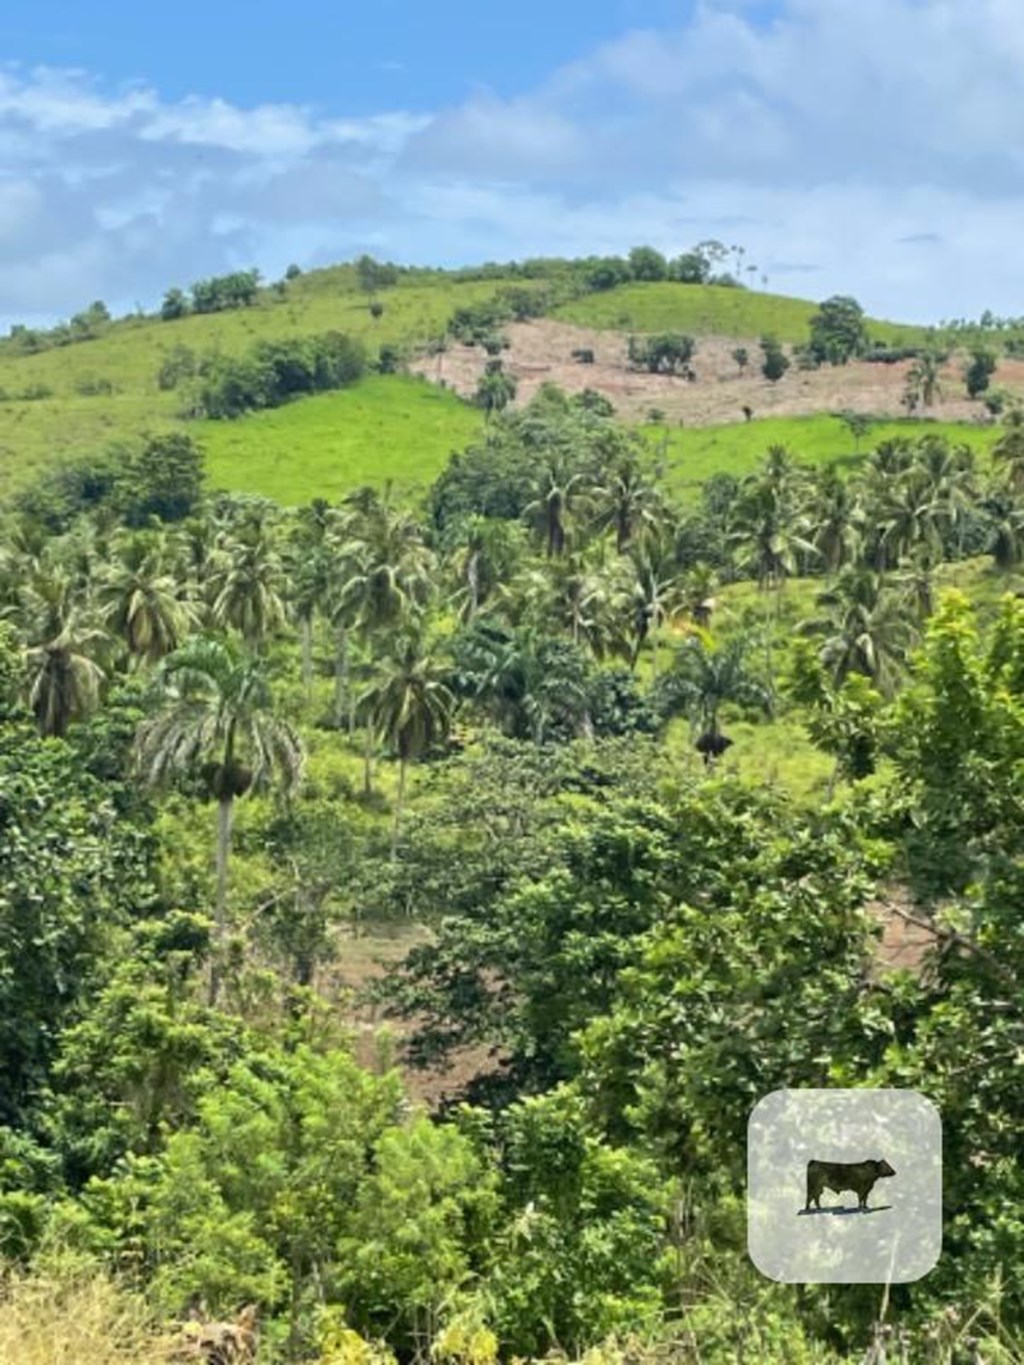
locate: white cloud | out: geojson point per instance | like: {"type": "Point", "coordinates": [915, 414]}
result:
{"type": "Point", "coordinates": [872, 146]}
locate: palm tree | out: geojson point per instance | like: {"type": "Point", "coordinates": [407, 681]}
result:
{"type": "Point", "coordinates": [923, 381]}
{"type": "Point", "coordinates": [387, 578]}
{"type": "Point", "coordinates": [527, 680]}
{"type": "Point", "coordinates": [309, 573]}
{"type": "Point", "coordinates": [495, 390]}
{"type": "Point", "coordinates": [140, 603]}
{"type": "Point", "coordinates": [772, 532]}
{"type": "Point", "coordinates": [1008, 451]}
{"type": "Point", "coordinates": [867, 628]}
{"type": "Point", "coordinates": [216, 720]}
{"type": "Point", "coordinates": [309, 593]}
{"type": "Point", "coordinates": [64, 673]}
{"type": "Point", "coordinates": [697, 594]}
{"type": "Point", "coordinates": [1005, 513]}
{"type": "Point", "coordinates": [628, 503]}
{"type": "Point", "coordinates": [950, 475]}
{"type": "Point", "coordinates": [652, 598]}
{"type": "Point", "coordinates": [705, 676]}
{"type": "Point", "coordinates": [585, 597]}
{"type": "Point", "coordinates": [907, 516]}
{"type": "Point", "coordinates": [559, 491]}
{"type": "Point", "coordinates": [485, 555]}
{"type": "Point", "coordinates": [771, 528]}
{"type": "Point", "coordinates": [836, 520]}
{"type": "Point", "coordinates": [389, 563]}
{"type": "Point", "coordinates": [410, 705]}
{"type": "Point", "coordinates": [246, 583]}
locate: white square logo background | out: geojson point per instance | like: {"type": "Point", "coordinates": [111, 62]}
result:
{"type": "Point", "coordinates": [898, 1240]}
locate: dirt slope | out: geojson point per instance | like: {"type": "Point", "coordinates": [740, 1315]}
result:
{"type": "Point", "coordinates": [541, 351]}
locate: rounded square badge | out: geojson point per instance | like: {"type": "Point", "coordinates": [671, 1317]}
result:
{"type": "Point", "coordinates": [844, 1186]}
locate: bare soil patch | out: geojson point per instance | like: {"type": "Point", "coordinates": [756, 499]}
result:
{"type": "Point", "coordinates": [541, 352]}
{"type": "Point", "coordinates": [908, 936]}
{"type": "Point", "coordinates": [365, 957]}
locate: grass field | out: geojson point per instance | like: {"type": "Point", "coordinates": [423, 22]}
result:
{"type": "Point", "coordinates": [386, 427]}
{"type": "Point", "coordinates": [703, 309]}
{"type": "Point", "coordinates": [40, 432]}
{"type": "Point", "coordinates": [693, 454]}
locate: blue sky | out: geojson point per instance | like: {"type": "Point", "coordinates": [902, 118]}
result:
{"type": "Point", "coordinates": [344, 57]}
{"type": "Point", "coordinates": [864, 146]}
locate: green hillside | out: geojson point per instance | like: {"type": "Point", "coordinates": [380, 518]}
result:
{"type": "Point", "coordinates": [386, 427]}
{"type": "Point", "coordinates": [705, 309]}
{"type": "Point", "coordinates": [77, 400]}
{"type": "Point", "coordinates": [66, 422]}
{"type": "Point", "coordinates": [693, 454]}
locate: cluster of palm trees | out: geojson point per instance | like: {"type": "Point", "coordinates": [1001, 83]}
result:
{"type": "Point", "coordinates": [510, 616]}
{"type": "Point", "coordinates": [877, 538]}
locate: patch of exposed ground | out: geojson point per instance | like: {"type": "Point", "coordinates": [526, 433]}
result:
{"type": "Point", "coordinates": [363, 958]}
{"type": "Point", "coordinates": [905, 943]}
{"type": "Point", "coordinates": [541, 352]}
{"type": "Point", "coordinates": [907, 934]}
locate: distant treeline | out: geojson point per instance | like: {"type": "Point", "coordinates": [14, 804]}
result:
{"type": "Point", "coordinates": [240, 289]}
{"type": "Point", "coordinates": [533, 288]}
{"type": "Point", "coordinates": [87, 325]}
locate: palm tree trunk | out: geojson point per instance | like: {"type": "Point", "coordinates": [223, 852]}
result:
{"type": "Point", "coordinates": [225, 811]}
{"type": "Point", "coordinates": [341, 681]}
{"type": "Point", "coordinates": [473, 581]}
{"type": "Point", "coordinates": [402, 763]}
{"type": "Point", "coordinates": [770, 622]}
{"type": "Point", "coordinates": [368, 761]}
{"type": "Point", "coordinates": [306, 632]}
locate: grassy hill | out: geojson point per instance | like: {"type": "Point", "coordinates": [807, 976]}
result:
{"type": "Point", "coordinates": [65, 422]}
{"type": "Point", "coordinates": [78, 400]}
{"type": "Point", "coordinates": [386, 427]}
{"type": "Point", "coordinates": [704, 309]}
{"type": "Point", "coordinates": [693, 454]}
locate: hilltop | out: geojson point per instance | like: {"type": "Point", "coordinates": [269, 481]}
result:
{"type": "Point", "coordinates": [72, 401]}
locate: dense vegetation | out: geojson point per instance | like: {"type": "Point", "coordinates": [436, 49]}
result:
{"type": "Point", "coordinates": [232, 732]}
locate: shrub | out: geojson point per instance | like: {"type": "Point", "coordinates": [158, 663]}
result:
{"type": "Point", "coordinates": [76, 1312]}
{"type": "Point", "coordinates": [389, 359]}
{"type": "Point", "coordinates": [179, 363]}
{"type": "Point", "coordinates": [523, 304]}
{"type": "Point", "coordinates": [838, 332]}
{"type": "Point", "coordinates": [878, 353]}
{"type": "Point", "coordinates": [607, 272]}
{"type": "Point", "coordinates": [93, 386]}
{"type": "Point", "coordinates": [175, 305]}
{"type": "Point", "coordinates": [475, 321]}
{"type": "Point", "coordinates": [583, 355]}
{"type": "Point", "coordinates": [979, 371]}
{"type": "Point", "coordinates": [665, 353]}
{"type": "Point", "coordinates": [275, 371]}
{"type": "Point", "coordinates": [221, 292]}
{"type": "Point", "coordinates": [775, 362]}
{"type": "Point", "coordinates": [592, 401]}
